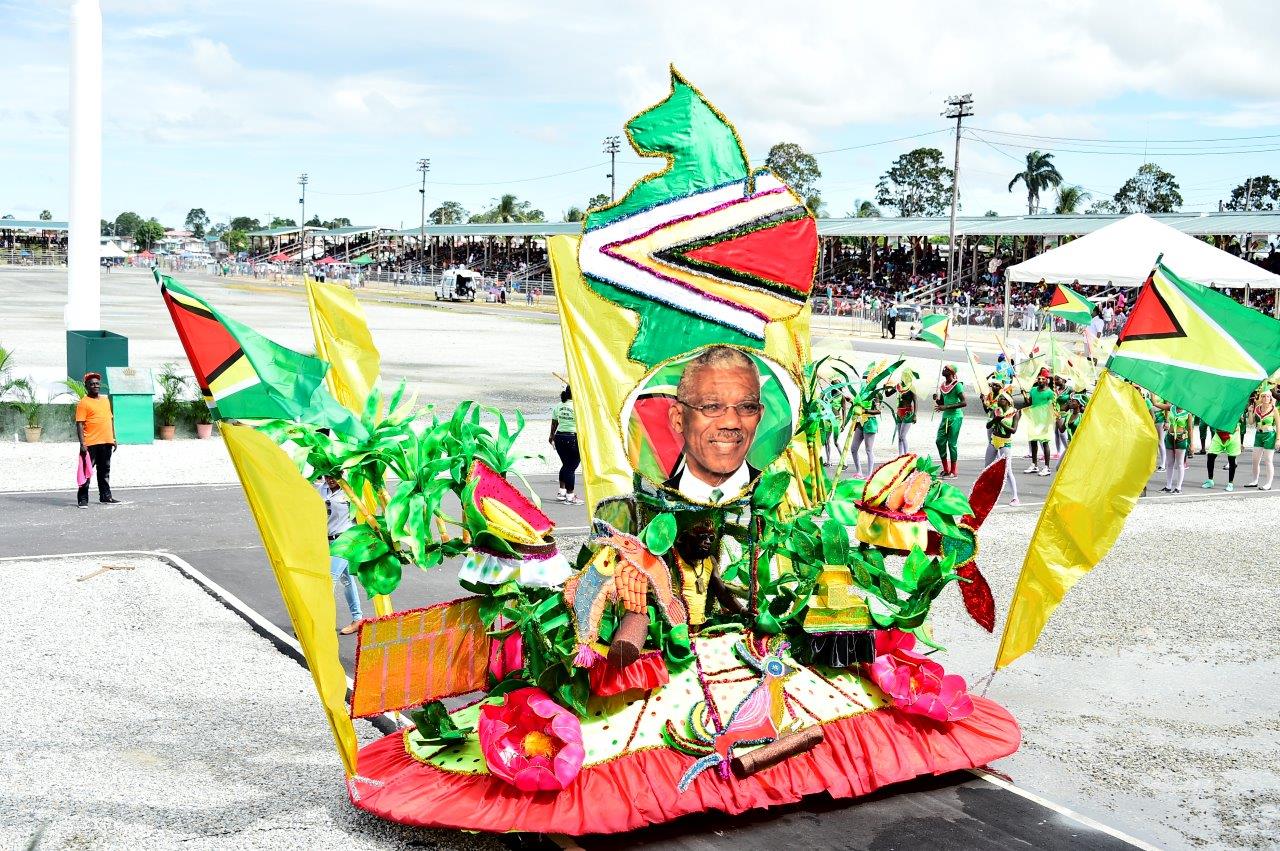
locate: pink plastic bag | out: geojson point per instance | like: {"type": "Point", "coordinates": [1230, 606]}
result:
{"type": "Point", "coordinates": [84, 469]}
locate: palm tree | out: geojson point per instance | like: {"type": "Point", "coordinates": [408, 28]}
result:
{"type": "Point", "coordinates": [1070, 198]}
{"type": "Point", "coordinates": [573, 214]}
{"type": "Point", "coordinates": [1041, 173]}
{"type": "Point", "coordinates": [865, 210]}
{"type": "Point", "coordinates": [507, 209]}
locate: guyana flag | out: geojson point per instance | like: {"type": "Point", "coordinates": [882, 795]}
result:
{"type": "Point", "coordinates": [245, 376]}
{"type": "Point", "coordinates": [1196, 348]}
{"type": "Point", "coordinates": [934, 328]}
{"type": "Point", "coordinates": [1070, 305]}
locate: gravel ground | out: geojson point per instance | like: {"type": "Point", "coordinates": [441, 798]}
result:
{"type": "Point", "coordinates": [1149, 703]}
{"type": "Point", "coordinates": [217, 742]}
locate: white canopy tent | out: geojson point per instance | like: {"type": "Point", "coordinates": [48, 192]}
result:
{"type": "Point", "coordinates": [110, 249]}
{"type": "Point", "coordinates": [1122, 254]}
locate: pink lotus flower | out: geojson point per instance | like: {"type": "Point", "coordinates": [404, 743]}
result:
{"type": "Point", "coordinates": [506, 655]}
{"type": "Point", "coordinates": [914, 682]}
{"type": "Point", "coordinates": [531, 741]}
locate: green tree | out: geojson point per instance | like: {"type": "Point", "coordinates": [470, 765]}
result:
{"type": "Point", "coordinates": [1263, 194]}
{"type": "Point", "coordinates": [314, 222]}
{"type": "Point", "coordinates": [218, 230]}
{"type": "Point", "coordinates": [508, 208]}
{"type": "Point", "coordinates": [598, 200]}
{"type": "Point", "coordinates": [1070, 197]}
{"type": "Point", "coordinates": [197, 222]}
{"type": "Point", "coordinates": [127, 223]}
{"type": "Point", "coordinates": [991, 214]}
{"type": "Point", "coordinates": [1151, 190]}
{"type": "Point", "coordinates": [244, 223]}
{"type": "Point", "coordinates": [574, 214]}
{"type": "Point", "coordinates": [796, 167]}
{"type": "Point", "coordinates": [106, 228]}
{"type": "Point", "coordinates": [279, 222]}
{"type": "Point", "coordinates": [148, 233]}
{"type": "Point", "coordinates": [864, 210]}
{"type": "Point", "coordinates": [236, 240]}
{"type": "Point", "coordinates": [817, 207]}
{"type": "Point", "coordinates": [448, 213]}
{"type": "Point", "coordinates": [46, 216]}
{"type": "Point", "coordinates": [1103, 206]}
{"type": "Point", "coordinates": [917, 184]}
{"type": "Point", "coordinates": [1039, 175]}
{"type": "Point", "coordinates": [340, 222]}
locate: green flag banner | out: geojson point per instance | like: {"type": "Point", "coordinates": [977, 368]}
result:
{"type": "Point", "coordinates": [1070, 305]}
{"type": "Point", "coordinates": [934, 328]}
{"type": "Point", "coordinates": [1196, 348]}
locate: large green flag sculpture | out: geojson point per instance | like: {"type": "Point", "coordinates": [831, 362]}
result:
{"type": "Point", "coordinates": [245, 376]}
{"type": "Point", "coordinates": [1196, 348]}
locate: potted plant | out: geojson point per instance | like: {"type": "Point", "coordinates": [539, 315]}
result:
{"type": "Point", "coordinates": [170, 405]}
{"type": "Point", "coordinates": [25, 403]}
{"type": "Point", "coordinates": [203, 419]}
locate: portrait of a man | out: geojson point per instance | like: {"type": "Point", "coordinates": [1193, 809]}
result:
{"type": "Point", "coordinates": [717, 411]}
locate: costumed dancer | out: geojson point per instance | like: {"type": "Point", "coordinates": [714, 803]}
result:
{"type": "Point", "coordinates": [1158, 415]}
{"type": "Point", "coordinates": [1062, 400]}
{"type": "Point", "coordinates": [904, 412]}
{"type": "Point", "coordinates": [1262, 414]}
{"type": "Point", "coordinates": [1177, 439]}
{"type": "Point", "coordinates": [1002, 423]}
{"type": "Point", "coordinates": [950, 401]}
{"type": "Point", "coordinates": [1223, 443]}
{"type": "Point", "coordinates": [1040, 418]}
{"type": "Point", "coordinates": [866, 424]}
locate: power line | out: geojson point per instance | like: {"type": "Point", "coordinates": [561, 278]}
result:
{"type": "Point", "coordinates": [884, 141]}
{"type": "Point", "coordinates": [1208, 152]}
{"type": "Point", "coordinates": [1125, 141]}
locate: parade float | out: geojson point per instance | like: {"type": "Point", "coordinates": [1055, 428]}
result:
{"type": "Point", "coordinates": [743, 627]}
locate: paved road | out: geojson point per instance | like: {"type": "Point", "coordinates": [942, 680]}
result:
{"type": "Point", "coordinates": [210, 527]}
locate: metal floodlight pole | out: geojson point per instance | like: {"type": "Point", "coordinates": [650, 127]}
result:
{"type": "Point", "coordinates": [424, 166]}
{"type": "Point", "coordinates": [302, 224]}
{"type": "Point", "coordinates": [959, 107]}
{"type": "Point", "coordinates": [613, 144]}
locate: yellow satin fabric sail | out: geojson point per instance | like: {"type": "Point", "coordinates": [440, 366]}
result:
{"type": "Point", "coordinates": [292, 521]}
{"type": "Point", "coordinates": [1109, 461]}
{"type": "Point", "coordinates": [597, 335]}
{"type": "Point", "coordinates": [343, 339]}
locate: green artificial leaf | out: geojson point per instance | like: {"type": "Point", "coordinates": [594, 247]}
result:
{"type": "Point", "coordinates": [835, 542]}
{"type": "Point", "coordinates": [917, 562]}
{"type": "Point", "coordinates": [770, 490]}
{"type": "Point", "coordinates": [943, 523]}
{"type": "Point", "coordinates": [862, 576]}
{"type": "Point", "coordinates": [803, 546]}
{"type": "Point", "coordinates": [359, 544]}
{"type": "Point", "coordinates": [922, 635]}
{"type": "Point", "coordinates": [490, 542]}
{"type": "Point", "coordinates": [660, 534]}
{"type": "Point", "coordinates": [435, 726]}
{"type": "Point", "coordinates": [887, 591]}
{"type": "Point", "coordinates": [573, 694]}
{"type": "Point", "coordinates": [380, 575]}
{"type": "Point", "coordinates": [949, 499]}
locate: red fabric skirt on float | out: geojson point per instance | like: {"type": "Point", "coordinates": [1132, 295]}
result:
{"type": "Point", "coordinates": [859, 754]}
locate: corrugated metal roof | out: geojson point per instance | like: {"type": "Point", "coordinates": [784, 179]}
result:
{"type": "Point", "coordinates": [1197, 224]}
{"type": "Point", "coordinates": [351, 230]}
{"type": "Point", "coordinates": [23, 224]}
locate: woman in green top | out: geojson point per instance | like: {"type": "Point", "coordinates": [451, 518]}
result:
{"type": "Point", "coordinates": [950, 401]}
{"type": "Point", "coordinates": [1040, 421]}
{"type": "Point", "coordinates": [1223, 443]}
{"type": "Point", "coordinates": [1177, 439]}
{"type": "Point", "coordinates": [564, 437]}
{"type": "Point", "coordinates": [1262, 414]}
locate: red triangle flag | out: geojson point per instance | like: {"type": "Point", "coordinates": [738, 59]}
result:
{"type": "Point", "coordinates": [1151, 318]}
{"type": "Point", "coordinates": [782, 253]}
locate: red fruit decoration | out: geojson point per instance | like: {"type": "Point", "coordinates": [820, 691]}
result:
{"type": "Point", "coordinates": [974, 589]}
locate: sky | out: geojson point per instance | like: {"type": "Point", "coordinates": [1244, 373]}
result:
{"type": "Point", "coordinates": [221, 105]}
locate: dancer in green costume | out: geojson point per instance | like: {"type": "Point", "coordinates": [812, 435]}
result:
{"type": "Point", "coordinates": [1262, 414]}
{"type": "Point", "coordinates": [950, 401]}
{"type": "Point", "coordinates": [1039, 416]}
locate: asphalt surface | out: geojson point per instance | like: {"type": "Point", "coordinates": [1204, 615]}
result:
{"type": "Point", "coordinates": [210, 526]}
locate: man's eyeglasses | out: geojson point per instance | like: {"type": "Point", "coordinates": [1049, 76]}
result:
{"type": "Point", "coordinates": [714, 410]}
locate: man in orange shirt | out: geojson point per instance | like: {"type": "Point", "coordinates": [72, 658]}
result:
{"type": "Point", "coordinates": [96, 429]}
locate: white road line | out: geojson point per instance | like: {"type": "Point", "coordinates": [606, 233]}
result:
{"type": "Point", "coordinates": [1061, 810]}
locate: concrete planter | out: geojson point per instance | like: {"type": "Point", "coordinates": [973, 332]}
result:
{"type": "Point", "coordinates": [166, 432]}
{"type": "Point", "coordinates": [33, 434]}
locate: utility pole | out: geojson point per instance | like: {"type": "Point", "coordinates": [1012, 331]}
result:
{"type": "Point", "coordinates": [613, 144]}
{"type": "Point", "coordinates": [959, 107]}
{"type": "Point", "coordinates": [302, 225]}
{"type": "Point", "coordinates": [424, 166]}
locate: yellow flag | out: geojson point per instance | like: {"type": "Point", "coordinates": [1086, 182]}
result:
{"type": "Point", "coordinates": [343, 339]}
{"type": "Point", "coordinates": [292, 521]}
{"type": "Point", "coordinates": [597, 335]}
{"type": "Point", "coordinates": [1103, 472]}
